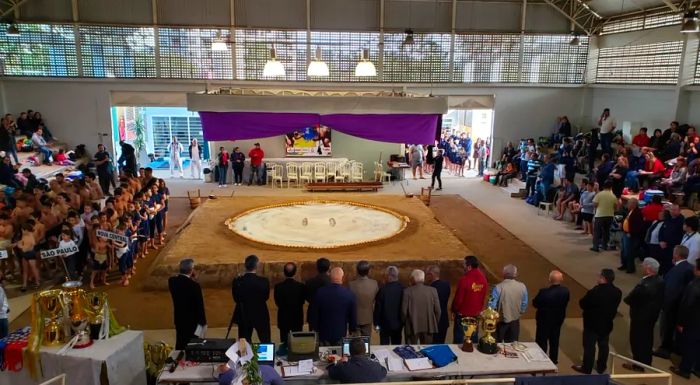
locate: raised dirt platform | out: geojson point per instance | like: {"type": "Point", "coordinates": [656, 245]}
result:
{"type": "Point", "coordinates": [219, 252]}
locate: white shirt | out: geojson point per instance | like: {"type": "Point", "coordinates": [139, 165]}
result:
{"type": "Point", "coordinates": [175, 149]}
{"type": "Point", "coordinates": [692, 242]}
{"type": "Point", "coordinates": [4, 304]}
{"type": "Point", "coordinates": [607, 125]}
{"type": "Point", "coordinates": [195, 152]}
{"type": "Point", "coordinates": [64, 244]}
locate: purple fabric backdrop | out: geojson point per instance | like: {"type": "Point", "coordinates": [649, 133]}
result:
{"type": "Point", "coordinates": [396, 128]}
{"type": "Point", "coordinates": [252, 125]}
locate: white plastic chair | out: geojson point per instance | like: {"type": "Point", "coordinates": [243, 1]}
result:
{"type": "Point", "coordinates": [345, 171]}
{"type": "Point", "coordinates": [277, 175]}
{"type": "Point", "coordinates": [331, 171]}
{"type": "Point", "coordinates": [319, 172]}
{"type": "Point", "coordinates": [269, 167]}
{"type": "Point", "coordinates": [357, 172]}
{"type": "Point", "coordinates": [307, 173]}
{"type": "Point", "coordinates": [379, 174]}
{"type": "Point", "coordinates": [292, 174]}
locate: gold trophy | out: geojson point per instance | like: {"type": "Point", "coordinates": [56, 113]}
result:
{"type": "Point", "coordinates": [96, 302]}
{"type": "Point", "coordinates": [50, 303]}
{"type": "Point", "coordinates": [73, 298]}
{"type": "Point", "coordinates": [489, 319]}
{"type": "Point", "coordinates": [469, 326]}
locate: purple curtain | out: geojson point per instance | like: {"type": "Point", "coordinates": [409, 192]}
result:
{"type": "Point", "coordinates": [252, 125]}
{"type": "Point", "coordinates": [395, 128]}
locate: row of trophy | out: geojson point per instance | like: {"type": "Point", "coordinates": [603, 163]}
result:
{"type": "Point", "coordinates": [487, 343]}
{"type": "Point", "coordinates": [72, 315]}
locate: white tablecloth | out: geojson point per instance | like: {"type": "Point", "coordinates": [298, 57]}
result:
{"type": "Point", "coordinates": [467, 365]}
{"type": "Point", "coordinates": [120, 360]}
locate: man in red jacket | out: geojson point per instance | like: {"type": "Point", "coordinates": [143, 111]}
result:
{"type": "Point", "coordinates": [256, 155]}
{"type": "Point", "coordinates": [469, 297]}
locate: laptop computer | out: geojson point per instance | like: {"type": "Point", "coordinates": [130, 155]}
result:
{"type": "Point", "coordinates": [346, 344]}
{"type": "Point", "coordinates": [266, 354]}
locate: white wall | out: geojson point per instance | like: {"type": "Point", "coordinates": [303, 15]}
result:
{"type": "Point", "coordinates": [643, 108]}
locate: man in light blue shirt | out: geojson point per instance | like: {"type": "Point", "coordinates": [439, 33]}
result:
{"type": "Point", "coordinates": [509, 298]}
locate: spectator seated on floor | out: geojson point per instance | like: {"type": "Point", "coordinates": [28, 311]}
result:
{"type": "Point", "coordinates": [602, 172]}
{"type": "Point", "coordinates": [642, 139]}
{"type": "Point", "coordinates": [508, 172]}
{"type": "Point", "coordinates": [653, 171]}
{"type": "Point", "coordinates": [568, 193]}
{"type": "Point", "coordinates": [673, 148]}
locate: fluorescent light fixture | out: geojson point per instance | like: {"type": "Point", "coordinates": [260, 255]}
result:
{"type": "Point", "coordinates": [691, 22]}
{"type": "Point", "coordinates": [273, 67]}
{"type": "Point", "coordinates": [317, 67]}
{"type": "Point", "coordinates": [12, 30]}
{"type": "Point", "coordinates": [365, 67]}
{"type": "Point", "coordinates": [219, 43]}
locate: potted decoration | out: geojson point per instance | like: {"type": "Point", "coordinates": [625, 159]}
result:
{"type": "Point", "coordinates": [252, 371]}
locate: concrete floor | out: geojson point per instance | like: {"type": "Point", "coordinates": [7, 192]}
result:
{"type": "Point", "coordinates": [554, 240]}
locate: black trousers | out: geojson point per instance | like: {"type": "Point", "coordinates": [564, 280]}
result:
{"type": "Point", "coordinates": [508, 331]}
{"type": "Point", "coordinates": [547, 337]}
{"type": "Point", "coordinates": [669, 341]}
{"type": "Point", "coordinates": [390, 337]}
{"type": "Point", "coordinates": [103, 179]}
{"type": "Point", "coordinates": [245, 330]}
{"type": "Point", "coordinates": [237, 173]}
{"type": "Point", "coordinates": [439, 337]}
{"type": "Point", "coordinates": [436, 175]}
{"type": "Point", "coordinates": [601, 232]}
{"type": "Point", "coordinates": [642, 340]}
{"type": "Point", "coordinates": [183, 336]}
{"type": "Point", "coordinates": [590, 340]}
{"type": "Point", "coordinates": [691, 351]}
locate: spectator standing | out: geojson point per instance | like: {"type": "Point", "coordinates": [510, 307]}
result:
{"type": "Point", "coordinates": [599, 307]}
{"type": "Point", "coordinates": [676, 280]}
{"type": "Point", "coordinates": [509, 299]}
{"type": "Point", "coordinates": [256, 155]}
{"type": "Point", "coordinates": [289, 298]}
{"type": "Point", "coordinates": [632, 236]}
{"type": "Point", "coordinates": [321, 279]}
{"type": "Point", "coordinates": [416, 155]}
{"type": "Point", "coordinates": [188, 303]}
{"type": "Point", "coordinates": [652, 241]}
{"type": "Point", "coordinates": [689, 327]}
{"type": "Point", "coordinates": [4, 308]}
{"type": "Point", "coordinates": [222, 158]}
{"type": "Point", "coordinates": [469, 297]}
{"type": "Point", "coordinates": [250, 294]}
{"type": "Point", "coordinates": [195, 152]}
{"type": "Point", "coordinates": [104, 168]}
{"type": "Point", "coordinates": [645, 302]}
{"type": "Point", "coordinates": [437, 169]}
{"type": "Point", "coordinates": [671, 232]}
{"type": "Point", "coordinates": [420, 310]}
{"type": "Point", "coordinates": [333, 311]}
{"type": "Point", "coordinates": [551, 303]}
{"type": "Point", "coordinates": [691, 238]}
{"type": "Point", "coordinates": [238, 162]}
{"type": "Point", "coordinates": [432, 277]}
{"type": "Point", "coordinates": [387, 309]}
{"type": "Point", "coordinates": [545, 180]}
{"type": "Point", "coordinates": [365, 290]}
{"type": "Point", "coordinates": [605, 203]}
{"type": "Point", "coordinates": [175, 159]}
{"type": "Point", "coordinates": [607, 125]}
{"type": "Point", "coordinates": [127, 160]}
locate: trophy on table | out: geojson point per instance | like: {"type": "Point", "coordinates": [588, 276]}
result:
{"type": "Point", "coordinates": [73, 297]}
{"type": "Point", "coordinates": [50, 303]}
{"type": "Point", "coordinates": [96, 302]}
{"type": "Point", "coordinates": [489, 319]}
{"type": "Point", "coordinates": [469, 326]}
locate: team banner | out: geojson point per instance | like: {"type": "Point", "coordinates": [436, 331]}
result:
{"type": "Point", "coordinates": [59, 252]}
{"type": "Point", "coordinates": [112, 236]}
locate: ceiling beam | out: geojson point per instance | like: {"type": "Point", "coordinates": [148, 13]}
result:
{"type": "Point", "coordinates": [579, 14]}
{"type": "Point", "coordinates": [670, 4]}
{"type": "Point", "coordinates": [9, 6]}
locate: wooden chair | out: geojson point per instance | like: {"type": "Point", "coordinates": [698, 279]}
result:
{"type": "Point", "coordinates": [292, 174]}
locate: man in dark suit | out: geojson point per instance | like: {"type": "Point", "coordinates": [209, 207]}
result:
{"type": "Point", "coordinates": [188, 304]}
{"type": "Point", "coordinates": [689, 327]}
{"type": "Point", "coordinates": [321, 279]}
{"type": "Point", "coordinates": [671, 232]}
{"type": "Point", "coordinates": [250, 293]}
{"type": "Point", "coordinates": [645, 302]}
{"type": "Point", "coordinates": [333, 311]}
{"type": "Point", "coordinates": [358, 368]}
{"type": "Point", "coordinates": [432, 277]}
{"type": "Point", "coordinates": [289, 298]}
{"type": "Point", "coordinates": [676, 280]}
{"type": "Point", "coordinates": [387, 309]}
{"type": "Point", "coordinates": [551, 303]}
{"type": "Point", "coordinates": [599, 307]}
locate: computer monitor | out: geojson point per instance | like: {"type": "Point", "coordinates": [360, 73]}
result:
{"type": "Point", "coordinates": [346, 344]}
{"type": "Point", "coordinates": [266, 353]}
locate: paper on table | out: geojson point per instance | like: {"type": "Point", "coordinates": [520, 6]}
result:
{"type": "Point", "coordinates": [535, 355]}
{"type": "Point", "coordinates": [293, 371]}
{"type": "Point", "coordinates": [395, 364]}
{"type": "Point", "coordinates": [418, 363]}
{"type": "Point", "coordinates": [232, 354]}
{"type": "Point", "coordinates": [200, 331]}
{"type": "Point", "coordinates": [381, 354]}
{"type": "Point", "coordinates": [306, 366]}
